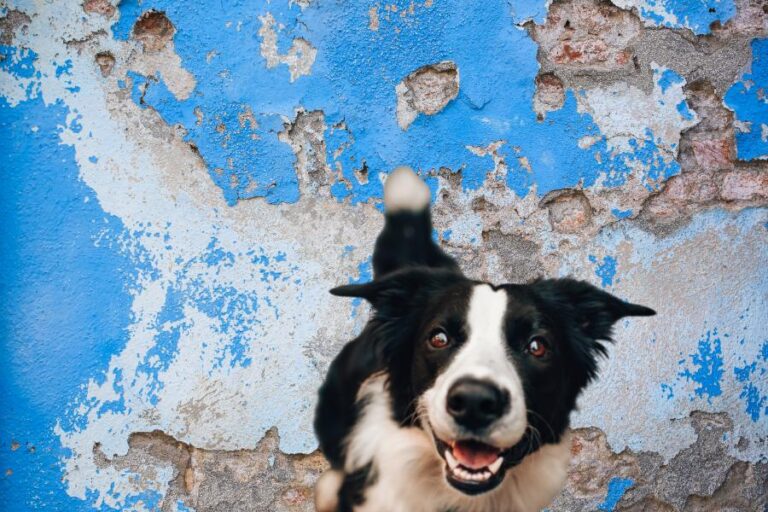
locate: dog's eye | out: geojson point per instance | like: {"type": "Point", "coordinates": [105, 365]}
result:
{"type": "Point", "coordinates": [537, 347]}
{"type": "Point", "coordinates": [438, 339]}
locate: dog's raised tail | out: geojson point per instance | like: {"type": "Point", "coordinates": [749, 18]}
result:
{"type": "Point", "coordinates": [406, 239]}
{"type": "Point", "coordinates": [405, 191]}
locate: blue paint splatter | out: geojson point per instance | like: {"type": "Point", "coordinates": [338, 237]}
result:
{"type": "Point", "coordinates": [708, 366]}
{"type": "Point", "coordinates": [747, 99]}
{"type": "Point", "coordinates": [753, 378]}
{"type": "Point", "coordinates": [616, 488]}
{"type": "Point", "coordinates": [605, 270]}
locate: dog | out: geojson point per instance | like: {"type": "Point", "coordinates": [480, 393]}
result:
{"type": "Point", "coordinates": [456, 396]}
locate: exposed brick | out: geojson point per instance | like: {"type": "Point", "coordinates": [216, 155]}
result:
{"type": "Point", "coordinates": [10, 24]}
{"type": "Point", "coordinates": [588, 34]}
{"type": "Point", "coordinates": [550, 93]}
{"type": "Point", "coordinates": [154, 30]}
{"type": "Point", "coordinates": [712, 155]}
{"type": "Point", "coordinates": [745, 186]}
{"type": "Point", "coordinates": [105, 61]}
{"type": "Point", "coordinates": [426, 91]}
{"type": "Point", "coordinates": [569, 210]}
{"type": "Point", "coordinates": [102, 7]}
{"type": "Point", "coordinates": [691, 188]}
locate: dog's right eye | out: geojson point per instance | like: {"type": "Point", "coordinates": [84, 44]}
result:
{"type": "Point", "coordinates": [438, 339]}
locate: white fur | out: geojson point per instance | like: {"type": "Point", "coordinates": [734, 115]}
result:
{"type": "Point", "coordinates": [404, 190]}
{"type": "Point", "coordinates": [410, 475]}
{"type": "Point", "coordinates": [483, 356]}
{"type": "Point", "coordinates": [374, 424]}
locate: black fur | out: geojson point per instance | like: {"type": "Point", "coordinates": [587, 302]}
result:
{"type": "Point", "coordinates": [406, 240]}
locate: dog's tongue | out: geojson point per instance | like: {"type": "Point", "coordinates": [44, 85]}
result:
{"type": "Point", "coordinates": [474, 455]}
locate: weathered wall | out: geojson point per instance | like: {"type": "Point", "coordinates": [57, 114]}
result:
{"type": "Point", "coordinates": [182, 182]}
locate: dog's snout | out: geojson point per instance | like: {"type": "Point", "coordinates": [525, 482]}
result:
{"type": "Point", "coordinates": [475, 404]}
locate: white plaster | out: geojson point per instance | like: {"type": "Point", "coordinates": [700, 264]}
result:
{"type": "Point", "coordinates": [300, 57]}
{"type": "Point", "coordinates": [624, 112]}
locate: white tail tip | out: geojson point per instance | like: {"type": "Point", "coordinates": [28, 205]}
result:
{"type": "Point", "coordinates": [404, 190]}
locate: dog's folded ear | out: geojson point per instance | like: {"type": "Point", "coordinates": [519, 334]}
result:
{"type": "Point", "coordinates": [594, 310]}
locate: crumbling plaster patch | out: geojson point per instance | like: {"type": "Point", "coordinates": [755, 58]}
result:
{"type": "Point", "coordinates": [426, 91]}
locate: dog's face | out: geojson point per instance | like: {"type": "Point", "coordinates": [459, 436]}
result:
{"type": "Point", "coordinates": [489, 372]}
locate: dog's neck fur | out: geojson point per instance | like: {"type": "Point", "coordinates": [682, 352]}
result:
{"type": "Point", "coordinates": [405, 473]}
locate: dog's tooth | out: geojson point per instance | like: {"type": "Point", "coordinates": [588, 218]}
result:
{"type": "Point", "coordinates": [487, 475]}
{"type": "Point", "coordinates": [452, 462]}
{"type": "Point", "coordinates": [496, 465]}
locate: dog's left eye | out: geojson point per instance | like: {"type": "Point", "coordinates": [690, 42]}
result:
{"type": "Point", "coordinates": [537, 347]}
{"type": "Point", "coordinates": [438, 339]}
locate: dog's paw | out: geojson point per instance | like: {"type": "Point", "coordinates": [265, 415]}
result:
{"type": "Point", "coordinates": [327, 491]}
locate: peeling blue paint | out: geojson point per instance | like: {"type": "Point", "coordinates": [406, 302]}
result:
{"type": "Point", "coordinates": [358, 99]}
{"type": "Point", "coordinates": [19, 62]}
{"type": "Point", "coordinates": [748, 98]}
{"type": "Point", "coordinates": [616, 488]}
{"type": "Point", "coordinates": [697, 15]}
{"type": "Point", "coordinates": [668, 78]}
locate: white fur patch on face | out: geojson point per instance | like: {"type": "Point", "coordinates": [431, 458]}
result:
{"type": "Point", "coordinates": [483, 356]}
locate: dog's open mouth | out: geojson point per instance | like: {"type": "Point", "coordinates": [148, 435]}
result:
{"type": "Point", "coordinates": [472, 467]}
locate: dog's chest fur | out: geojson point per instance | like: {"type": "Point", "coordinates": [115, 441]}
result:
{"type": "Point", "coordinates": [405, 474]}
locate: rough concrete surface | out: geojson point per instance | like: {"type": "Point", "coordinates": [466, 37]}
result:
{"type": "Point", "coordinates": [184, 182]}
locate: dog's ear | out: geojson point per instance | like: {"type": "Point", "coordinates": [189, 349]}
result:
{"type": "Point", "coordinates": [587, 315]}
{"type": "Point", "coordinates": [594, 310]}
{"type": "Point", "coordinates": [394, 294]}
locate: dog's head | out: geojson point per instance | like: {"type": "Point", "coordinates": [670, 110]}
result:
{"type": "Point", "coordinates": [489, 372]}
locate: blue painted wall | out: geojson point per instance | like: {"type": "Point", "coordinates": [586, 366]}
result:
{"type": "Point", "coordinates": [165, 264]}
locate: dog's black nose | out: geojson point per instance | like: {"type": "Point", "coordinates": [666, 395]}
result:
{"type": "Point", "coordinates": [476, 403]}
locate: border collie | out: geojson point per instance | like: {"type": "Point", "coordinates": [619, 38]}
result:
{"type": "Point", "coordinates": [457, 394]}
